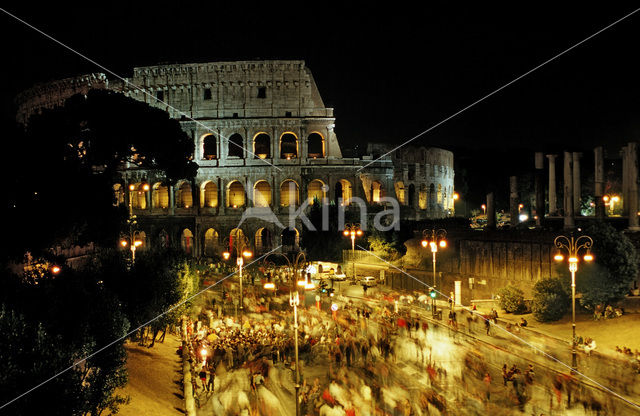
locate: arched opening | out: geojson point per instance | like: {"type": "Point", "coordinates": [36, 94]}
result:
{"type": "Point", "coordinates": [439, 195]}
{"type": "Point", "coordinates": [400, 193]}
{"type": "Point", "coordinates": [432, 197]}
{"type": "Point", "coordinates": [235, 195]}
{"type": "Point", "coordinates": [289, 193]}
{"type": "Point", "coordinates": [422, 197]}
{"type": "Point", "coordinates": [315, 141]}
{"type": "Point", "coordinates": [138, 196]}
{"type": "Point", "coordinates": [235, 147]}
{"type": "Point", "coordinates": [210, 242]}
{"type": "Point", "coordinates": [185, 196]}
{"type": "Point", "coordinates": [262, 146]}
{"type": "Point", "coordinates": [209, 147]}
{"type": "Point", "coordinates": [187, 241]}
{"type": "Point", "coordinates": [264, 240]}
{"type": "Point", "coordinates": [290, 238]}
{"type": "Point", "coordinates": [261, 194]}
{"type": "Point", "coordinates": [445, 201]}
{"type": "Point", "coordinates": [209, 195]}
{"type": "Point", "coordinates": [315, 193]}
{"type": "Point", "coordinates": [288, 146]}
{"type": "Point", "coordinates": [163, 239]}
{"type": "Point", "coordinates": [118, 194]}
{"type": "Point", "coordinates": [160, 196]}
{"type": "Point", "coordinates": [235, 235]}
{"type": "Point", "coordinates": [376, 192]}
{"type": "Point", "coordinates": [344, 191]}
{"type": "Point", "coordinates": [412, 194]}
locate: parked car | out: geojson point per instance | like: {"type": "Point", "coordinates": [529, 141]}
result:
{"type": "Point", "coordinates": [369, 281]}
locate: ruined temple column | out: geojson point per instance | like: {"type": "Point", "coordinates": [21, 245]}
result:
{"type": "Point", "coordinates": [576, 183]}
{"type": "Point", "coordinates": [172, 199]}
{"type": "Point", "coordinates": [553, 205]}
{"type": "Point", "coordinates": [491, 212]}
{"type": "Point", "coordinates": [632, 161]}
{"type": "Point", "coordinates": [539, 188]}
{"type": "Point", "coordinates": [513, 200]}
{"type": "Point", "coordinates": [569, 219]}
{"type": "Point", "coordinates": [599, 181]}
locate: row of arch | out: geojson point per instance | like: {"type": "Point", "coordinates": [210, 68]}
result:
{"type": "Point", "coordinates": [262, 194]}
{"type": "Point", "coordinates": [213, 244]}
{"type": "Point", "coordinates": [236, 196]}
{"type": "Point", "coordinates": [261, 146]}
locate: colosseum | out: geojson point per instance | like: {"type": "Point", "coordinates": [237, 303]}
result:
{"type": "Point", "coordinates": [263, 140]}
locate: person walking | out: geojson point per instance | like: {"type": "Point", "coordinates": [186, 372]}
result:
{"type": "Point", "coordinates": [487, 325]}
{"type": "Point", "coordinates": [487, 385]}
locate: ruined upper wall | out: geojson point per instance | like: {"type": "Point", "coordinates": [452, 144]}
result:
{"type": "Point", "coordinates": [53, 94]}
{"type": "Point", "coordinates": [241, 89]}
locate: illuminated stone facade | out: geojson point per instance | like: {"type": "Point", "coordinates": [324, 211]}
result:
{"type": "Point", "coordinates": [263, 139]}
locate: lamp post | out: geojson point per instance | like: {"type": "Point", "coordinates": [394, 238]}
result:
{"type": "Point", "coordinates": [241, 247]}
{"type": "Point", "coordinates": [432, 239]}
{"type": "Point", "coordinates": [294, 265]}
{"type": "Point", "coordinates": [573, 246]}
{"type": "Point", "coordinates": [353, 231]}
{"type": "Point", "coordinates": [134, 240]}
{"type": "Point", "coordinates": [294, 301]}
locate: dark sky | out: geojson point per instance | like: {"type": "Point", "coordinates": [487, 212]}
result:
{"type": "Point", "coordinates": [389, 72]}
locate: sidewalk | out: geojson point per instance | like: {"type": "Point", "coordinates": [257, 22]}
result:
{"type": "Point", "coordinates": [154, 379]}
{"type": "Point", "coordinates": [608, 333]}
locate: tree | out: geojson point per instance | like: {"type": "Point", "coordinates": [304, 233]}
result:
{"type": "Point", "coordinates": [550, 299]}
{"type": "Point", "coordinates": [65, 195]}
{"type": "Point", "coordinates": [512, 299]}
{"type": "Point", "coordinates": [605, 280]}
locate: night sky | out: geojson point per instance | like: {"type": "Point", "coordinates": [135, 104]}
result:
{"type": "Point", "coordinates": [389, 73]}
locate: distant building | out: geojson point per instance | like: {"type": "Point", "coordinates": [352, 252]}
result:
{"type": "Point", "coordinates": [264, 140]}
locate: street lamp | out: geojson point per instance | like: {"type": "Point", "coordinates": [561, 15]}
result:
{"type": "Point", "coordinates": [484, 208]}
{"type": "Point", "coordinates": [241, 247]}
{"type": "Point", "coordinates": [432, 239]}
{"type": "Point", "coordinates": [133, 238]}
{"type": "Point", "coordinates": [573, 246]}
{"type": "Point", "coordinates": [294, 265]}
{"type": "Point", "coordinates": [294, 301]}
{"type": "Point", "coordinates": [353, 231]}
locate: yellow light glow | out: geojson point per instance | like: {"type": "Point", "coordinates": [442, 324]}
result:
{"type": "Point", "coordinates": [55, 270]}
{"type": "Point", "coordinates": [558, 257]}
{"type": "Point", "coordinates": [203, 352]}
{"type": "Point", "coordinates": [226, 255]}
{"type": "Point", "coordinates": [123, 243]}
{"type": "Point", "coordinates": [605, 198]}
{"type": "Point", "coordinates": [359, 232]}
{"type": "Point", "coordinates": [132, 187]}
{"type": "Point", "coordinates": [309, 286]}
{"type": "Point", "coordinates": [456, 196]}
{"type": "Point", "coordinates": [145, 186]}
{"type": "Point", "coordinates": [588, 257]}
{"type": "Point", "coordinates": [346, 233]}
{"type": "Point", "coordinates": [302, 282]}
{"type": "Point", "coordinates": [270, 285]}
{"type": "Point", "coordinates": [424, 243]}
{"type": "Point", "coordinates": [247, 253]}
{"type": "Point", "coordinates": [615, 199]}
{"type": "Point", "coordinates": [443, 243]}
{"type": "Point", "coordinates": [573, 259]}
{"type": "Point", "coordinates": [137, 243]}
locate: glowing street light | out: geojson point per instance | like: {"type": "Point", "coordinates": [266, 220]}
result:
{"type": "Point", "coordinates": [484, 208]}
{"type": "Point", "coordinates": [294, 301]}
{"type": "Point", "coordinates": [353, 231]}
{"type": "Point", "coordinates": [432, 239]}
{"type": "Point", "coordinates": [241, 247]}
{"type": "Point", "coordinates": [573, 246]}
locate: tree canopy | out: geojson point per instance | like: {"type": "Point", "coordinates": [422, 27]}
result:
{"type": "Point", "coordinates": [62, 168]}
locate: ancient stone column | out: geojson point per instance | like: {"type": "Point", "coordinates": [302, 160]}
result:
{"type": "Point", "coordinates": [632, 162]}
{"type": "Point", "coordinates": [553, 205]}
{"type": "Point", "coordinates": [569, 219]}
{"type": "Point", "coordinates": [513, 200]}
{"type": "Point", "coordinates": [172, 198]}
{"type": "Point", "coordinates": [599, 181]}
{"type": "Point", "coordinates": [539, 188]}
{"type": "Point", "coordinates": [577, 195]}
{"type": "Point", "coordinates": [491, 212]}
